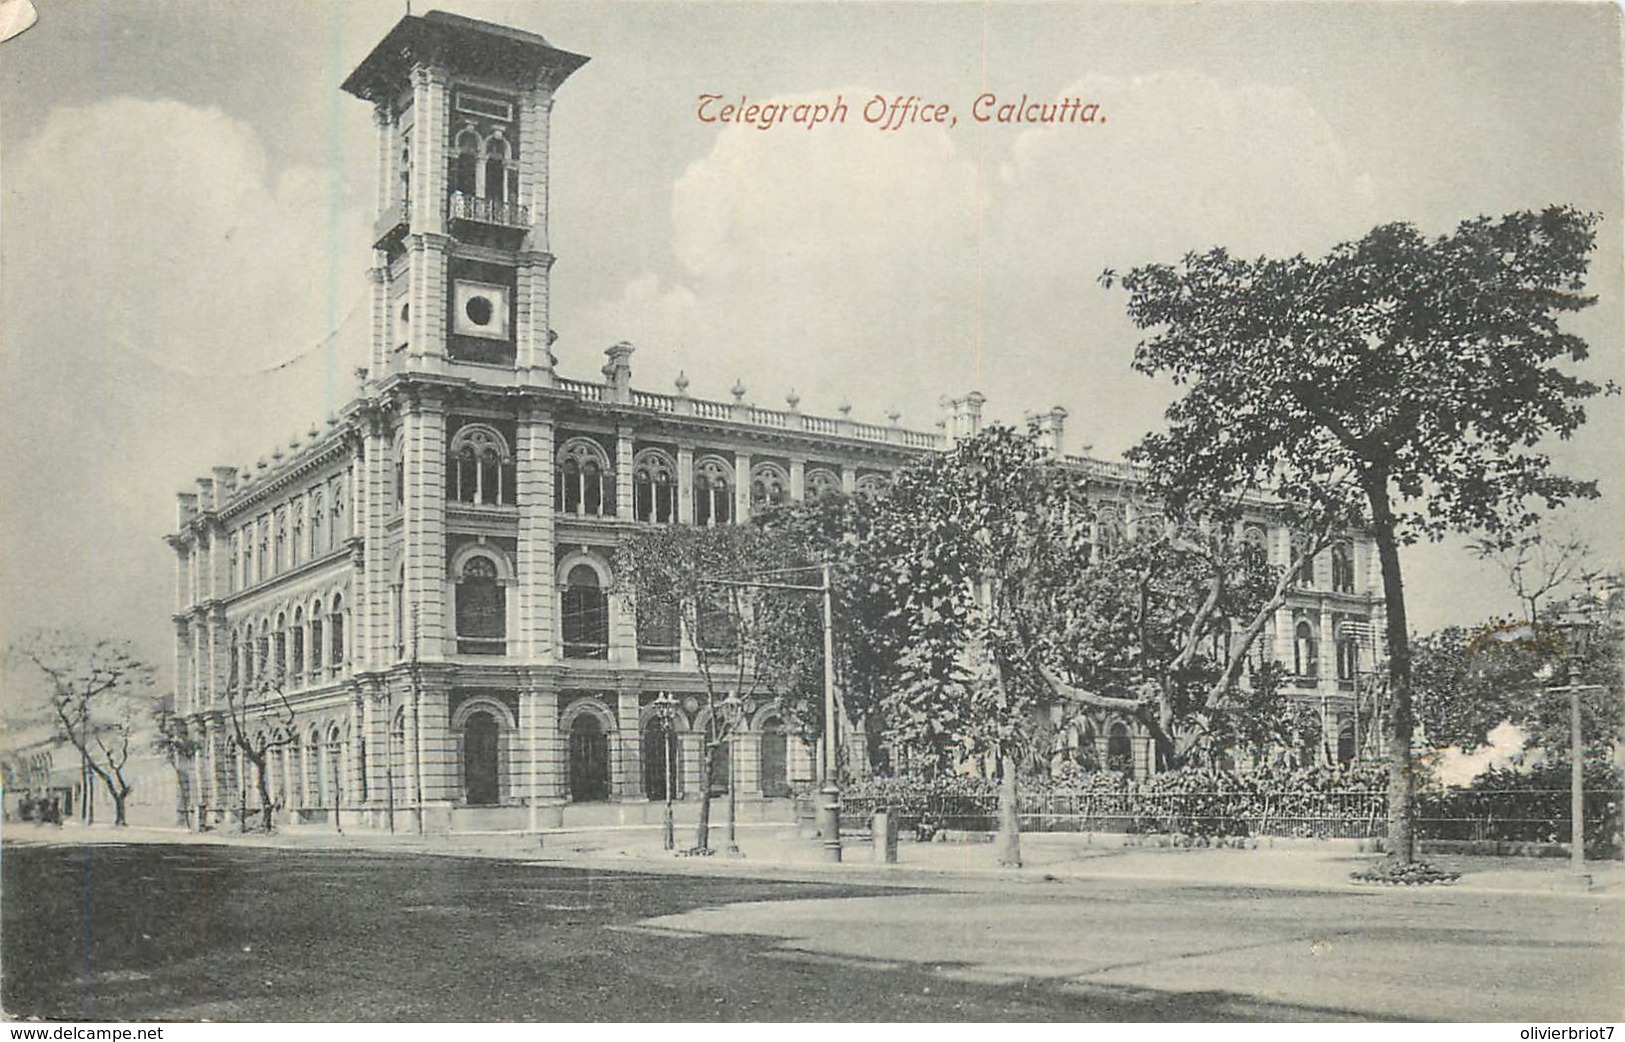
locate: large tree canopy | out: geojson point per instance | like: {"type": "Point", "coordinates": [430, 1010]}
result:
{"type": "Point", "coordinates": [1406, 379]}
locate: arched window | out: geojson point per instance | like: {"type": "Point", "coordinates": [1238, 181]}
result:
{"type": "Point", "coordinates": [654, 487]}
{"type": "Point", "coordinates": [821, 481]}
{"type": "Point", "coordinates": [280, 561]}
{"type": "Point", "coordinates": [234, 673]}
{"type": "Point", "coordinates": [496, 169]}
{"type": "Point", "coordinates": [232, 569]}
{"type": "Point", "coordinates": [662, 760]}
{"type": "Point", "coordinates": [397, 611]}
{"type": "Point", "coordinates": [481, 610]}
{"type": "Point", "coordinates": [1119, 749]}
{"type": "Point", "coordinates": [397, 453]}
{"type": "Point", "coordinates": [769, 485]}
{"type": "Point", "coordinates": [872, 486]}
{"type": "Point", "coordinates": [1305, 654]}
{"type": "Point", "coordinates": [1255, 543]}
{"type": "Point", "coordinates": [406, 169]}
{"type": "Point", "coordinates": [481, 747]}
{"type": "Point", "coordinates": [586, 615]}
{"type": "Point", "coordinates": [465, 165]}
{"type": "Point", "coordinates": [318, 523]}
{"type": "Point", "coordinates": [296, 664]}
{"type": "Point", "coordinates": [1345, 742]}
{"type": "Point", "coordinates": [718, 629]}
{"type": "Point", "coordinates": [1348, 657]}
{"type": "Point", "coordinates": [316, 640]}
{"type": "Point", "coordinates": [337, 529]}
{"type": "Point", "coordinates": [296, 546]}
{"type": "Point", "coordinates": [333, 755]}
{"type": "Point", "coordinates": [403, 325]}
{"type": "Point", "coordinates": [262, 652]}
{"type": "Point", "coordinates": [1343, 568]}
{"type": "Point", "coordinates": [335, 630]}
{"type": "Point", "coordinates": [1299, 547]}
{"type": "Point", "coordinates": [1108, 528]}
{"type": "Point", "coordinates": [713, 491]}
{"type": "Point", "coordinates": [584, 483]}
{"type": "Point", "coordinates": [479, 467]}
{"type": "Point", "coordinates": [264, 560]}
{"type": "Point", "coordinates": [658, 631]}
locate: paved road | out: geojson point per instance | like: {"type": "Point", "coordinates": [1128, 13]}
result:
{"type": "Point", "coordinates": [188, 932]}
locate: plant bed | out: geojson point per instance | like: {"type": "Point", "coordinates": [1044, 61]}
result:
{"type": "Point", "coordinates": [1409, 873]}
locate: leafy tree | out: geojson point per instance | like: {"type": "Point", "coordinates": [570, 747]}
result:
{"type": "Point", "coordinates": [97, 694]}
{"type": "Point", "coordinates": [174, 742]}
{"type": "Point", "coordinates": [1406, 379]}
{"type": "Point", "coordinates": [696, 577]}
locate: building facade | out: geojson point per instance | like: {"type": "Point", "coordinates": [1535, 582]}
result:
{"type": "Point", "coordinates": [420, 590]}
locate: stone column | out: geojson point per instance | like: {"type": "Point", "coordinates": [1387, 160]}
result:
{"type": "Point", "coordinates": [798, 479]}
{"type": "Point", "coordinates": [693, 762]}
{"type": "Point", "coordinates": [741, 487]}
{"type": "Point", "coordinates": [429, 144]}
{"type": "Point", "coordinates": [849, 478]}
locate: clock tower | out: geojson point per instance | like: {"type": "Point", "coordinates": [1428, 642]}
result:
{"type": "Point", "coordinates": [461, 256]}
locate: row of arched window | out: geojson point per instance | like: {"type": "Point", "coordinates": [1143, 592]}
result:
{"type": "Point", "coordinates": [1306, 652]}
{"type": "Point", "coordinates": [300, 530]}
{"type": "Point", "coordinates": [291, 651]}
{"type": "Point", "coordinates": [485, 165]}
{"type": "Point", "coordinates": [480, 470]}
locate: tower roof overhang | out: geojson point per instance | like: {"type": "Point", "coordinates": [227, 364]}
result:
{"type": "Point", "coordinates": [461, 45]}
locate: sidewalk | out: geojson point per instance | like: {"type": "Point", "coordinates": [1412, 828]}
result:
{"type": "Point", "coordinates": [775, 851]}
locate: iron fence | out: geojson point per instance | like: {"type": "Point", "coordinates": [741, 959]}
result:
{"type": "Point", "coordinates": [1540, 816]}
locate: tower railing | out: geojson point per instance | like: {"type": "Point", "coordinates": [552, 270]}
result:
{"type": "Point", "coordinates": [465, 207]}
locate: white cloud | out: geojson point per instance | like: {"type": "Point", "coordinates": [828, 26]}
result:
{"type": "Point", "coordinates": [157, 269]}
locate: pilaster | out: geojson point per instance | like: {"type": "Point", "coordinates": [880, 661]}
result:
{"type": "Point", "coordinates": [533, 637]}
{"type": "Point", "coordinates": [798, 479]}
{"type": "Point", "coordinates": [631, 738]}
{"type": "Point", "coordinates": [424, 522]}
{"type": "Point", "coordinates": [685, 484]}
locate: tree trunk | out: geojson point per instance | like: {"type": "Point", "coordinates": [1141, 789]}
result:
{"type": "Point", "coordinates": [265, 793]}
{"type": "Point", "coordinates": [118, 807]}
{"type": "Point", "coordinates": [702, 827]}
{"type": "Point", "coordinates": [1009, 818]}
{"type": "Point", "coordinates": [1402, 723]}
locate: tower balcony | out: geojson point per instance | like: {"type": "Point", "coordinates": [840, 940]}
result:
{"type": "Point", "coordinates": [494, 213]}
{"type": "Point", "coordinates": [391, 225]}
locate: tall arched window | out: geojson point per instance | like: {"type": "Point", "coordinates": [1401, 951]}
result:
{"type": "Point", "coordinates": [1108, 528]}
{"type": "Point", "coordinates": [296, 546]}
{"type": "Point", "coordinates": [296, 664]}
{"type": "Point", "coordinates": [479, 467]}
{"type": "Point", "coordinates": [481, 758]}
{"type": "Point", "coordinates": [1305, 654]}
{"type": "Point", "coordinates": [280, 561]}
{"type": "Point", "coordinates": [1343, 568]}
{"type": "Point", "coordinates": [589, 759]}
{"type": "Point", "coordinates": [769, 485]}
{"type": "Point", "coordinates": [872, 486]}
{"type": "Point", "coordinates": [233, 569]}
{"type": "Point", "coordinates": [318, 523]}
{"type": "Point", "coordinates": [496, 169]}
{"type": "Point", "coordinates": [654, 487]}
{"type": "Point", "coordinates": [1299, 548]}
{"type": "Point", "coordinates": [658, 632]}
{"type": "Point", "coordinates": [262, 652]}
{"type": "Point", "coordinates": [586, 615]}
{"type": "Point", "coordinates": [465, 165]}
{"type": "Point", "coordinates": [1348, 657]}
{"type": "Point", "coordinates": [713, 491]}
{"type": "Point", "coordinates": [333, 786]}
{"type": "Point", "coordinates": [481, 610]}
{"type": "Point", "coordinates": [335, 629]}
{"type": "Point", "coordinates": [821, 481]}
{"type": "Point", "coordinates": [584, 483]}
{"type": "Point", "coordinates": [1255, 543]}
{"type": "Point", "coordinates": [316, 640]}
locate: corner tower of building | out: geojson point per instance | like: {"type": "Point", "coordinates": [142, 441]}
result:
{"type": "Point", "coordinates": [461, 257]}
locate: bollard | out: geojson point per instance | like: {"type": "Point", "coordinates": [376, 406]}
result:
{"type": "Point", "coordinates": [829, 821]}
{"type": "Point", "coordinates": [885, 837]}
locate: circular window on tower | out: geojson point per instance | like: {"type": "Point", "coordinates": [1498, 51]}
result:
{"type": "Point", "coordinates": [482, 310]}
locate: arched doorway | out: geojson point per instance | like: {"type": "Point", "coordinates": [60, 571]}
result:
{"type": "Point", "coordinates": [589, 760]}
{"type": "Point", "coordinates": [480, 735]}
{"type": "Point", "coordinates": [775, 759]}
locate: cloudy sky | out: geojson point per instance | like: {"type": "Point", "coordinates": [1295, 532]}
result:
{"type": "Point", "coordinates": [186, 197]}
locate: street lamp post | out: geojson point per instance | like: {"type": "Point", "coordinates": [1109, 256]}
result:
{"type": "Point", "coordinates": [1576, 629]}
{"type": "Point", "coordinates": [733, 711]}
{"type": "Point", "coordinates": [665, 708]}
